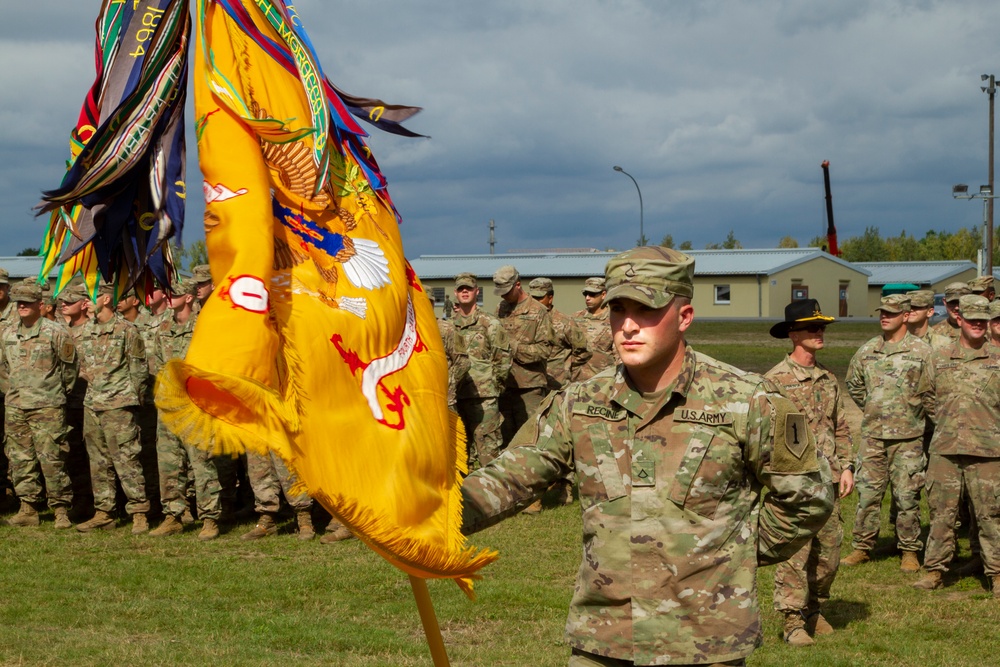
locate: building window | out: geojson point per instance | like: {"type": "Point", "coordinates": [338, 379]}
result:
{"type": "Point", "coordinates": [438, 294]}
{"type": "Point", "coordinates": [722, 295]}
{"type": "Point", "coordinates": [800, 292]}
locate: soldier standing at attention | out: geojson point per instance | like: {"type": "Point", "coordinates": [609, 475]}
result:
{"type": "Point", "coordinates": [113, 361]}
{"type": "Point", "coordinates": [983, 286]}
{"type": "Point", "coordinates": [885, 379]}
{"type": "Point", "coordinates": [175, 458]}
{"type": "Point", "coordinates": [38, 367]}
{"type": "Point", "coordinates": [965, 449]}
{"type": "Point", "coordinates": [919, 319]}
{"type": "Point", "coordinates": [802, 583]}
{"type": "Point", "coordinates": [570, 352]}
{"type": "Point", "coordinates": [672, 450]}
{"type": "Point", "coordinates": [952, 293]}
{"type": "Point", "coordinates": [594, 319]}
{"type": "Point", "coordinates": [477, 394]}
{"type": "Point", "coordinates": [8, 311]}
{"type": "Point", "coordinates": [202, 276]}
{"type": "Point", "coordinates": [148, 320]}
{"type": "Point", "coordinates": [269, 479]}
{"type": "Point", "coordinates": [529, 329]}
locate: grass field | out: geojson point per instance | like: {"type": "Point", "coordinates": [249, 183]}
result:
{"type": "Point", "coordinates": [114, 599]}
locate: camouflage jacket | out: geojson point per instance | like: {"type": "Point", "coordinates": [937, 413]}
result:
{"type": "Point", "coordinates": [456, 354]}
{"type": "Point", "coordinates": [816, 393]}
{"type": "Point", "coordinates": [885, 380]}
{"type": "Point", "coordinates": [38, 365]}
{"type": "Point", "coordinates": [147, 323]}
{"type": "Point", "coordinates": [965, 403]}
{"type": "Point", "coordinates": [597, 328]}
{"type": "Point", "coordinates": [935, 340]}
{"type": "Point", "coordinates": [489, 354]}
{"type": "Point", "coordinates": [75, 399]}
{"type": "Point", "coordinates": [529, 329]}
{"type": "Point", "coordinates": [674, 524]}
{"type": "Point", "coordinates": [9, 316]}
{"type": "Point", "coordinates": [113, 360]}
{"type": "Point", "coordinates": [944, 328]}
{"type": "Point", "coordinates": [570, 352]}
{"type": "Point", "coordinates": [171, 340]}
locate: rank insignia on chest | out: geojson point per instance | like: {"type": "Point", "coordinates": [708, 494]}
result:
{"type": "Point", "coordinates": [704, 417]}
{"type": "Point", "coordinates": [643, 472]}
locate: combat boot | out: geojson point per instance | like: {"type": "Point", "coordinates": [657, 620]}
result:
{"type": "Point", "coordinates": [929, 582]}
{"type": "Point", "coordinates": [171, 526]}
{"type": "Point", "coordinates": [856, 557]}
{"type": "Point", "coordinates": [305, 521]}
{"type": "Point", "coordinates": [996, 586]}
{"type": "Point", "coordinates": [533, 508]}
{"type": "Point", "coordinates": [795, 630]}
{"type": "Point", "coordinates": [209, 530]}
{"type": "Point", "coordinates": [139, 523]}
{"type": "Point", "coordinates": [62, 518]}
{"type": "Point", "coordinates": [563, 492]}
{"type": "Point", "coordinates": [187, 518]}
{"type": "Point", "coordinates": [26, 516]}
{"type": "Point", "coordinates": [265, 527]}
{"type": "Point", "coordinates": [973, 568]}
{"type": "Point", "coordinates": [910, 564]}
{"type": "Point", "coordinates": [101, 521]}
{"type": "Point", "coordinates": [817, 625]}
{"type": "Point", "coordinates": [335, 532]}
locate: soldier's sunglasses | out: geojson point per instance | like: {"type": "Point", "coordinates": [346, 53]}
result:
{"type": "Point", "coordinates": [811, 328]}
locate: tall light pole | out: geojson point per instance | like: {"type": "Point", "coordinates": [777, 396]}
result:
{"type": "Point", "coordinates": [990, 90]}
{"type": "Point", "coordinates": [642, 236]}
{"type": "Point", "coordinates": [961, 191]}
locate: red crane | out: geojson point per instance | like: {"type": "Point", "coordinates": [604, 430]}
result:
{"type": "Point", "coordinates": [831, 229]}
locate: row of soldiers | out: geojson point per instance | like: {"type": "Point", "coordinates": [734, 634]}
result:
{"type": "Point", "coordinates": [80, 419]}
{"type": "Point", "coordinates": [502, 365]}
{"type": "Point", "coordinates": [930, 398]}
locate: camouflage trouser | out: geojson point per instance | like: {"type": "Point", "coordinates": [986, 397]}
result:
{"type": "Point", "coordinates": [269, 478]}
{"type": "Point", "coordinates": [37, 450]}
{"type": "Point", "coordinates": [146, 420]}
{"type": "Point", "coordinates": [517, 406]}
{"type": "Point", "coordinates": [483, 428]}
{"type": "Point", "coordinates": [175, 460]}
{"type": "Point", "coordinates": [5, 482]}
{"type": "Point", "coordinates": [803, 581]}
{"type": "Point", "coordinates": [226, 466]}
{"type": "Point", "coordinates": [584, 659]}
{"type": "Point", "coordinates": [77, 460]}
{"type": "Point", "coordinates": [901, 462]}
{"type": "Point", "coordinates": [946, 475]}
{"type": "Point", "coordinates": [113, 447]}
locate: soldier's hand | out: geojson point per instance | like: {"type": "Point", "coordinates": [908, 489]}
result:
{"type": "Point", "coordinates": [846, 483]}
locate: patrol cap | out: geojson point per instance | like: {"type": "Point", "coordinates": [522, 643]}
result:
{"type": "Point", "coordinates": [994, 309]}
{"type": "Point", "coordinates": [184, 286]}
{"type": "Point", "coordinates": [539, 287]}
{"type": "Point", "coordinates": [4, 277]}
{"type": "Point", "coordinates": [72, 293]}
{"type": "Point", "coordinates": [105, 289]}
{"type": "Point", "coordinates": [26, 293]}
{"type": "Point", "coordinates": [593, 286]}
{"type": "Point", "coordinates": [504, 279]}
{"type": "Point", "coordinates": [954, 291]}
{"type": "Point", "coordinates": [895, 304]}
{"type": "Point", "coordinates": [981, 284]}
{"type": "Point", "coordinates": [651, 275]}
{"type": "Point", "coordinates": [974, 307]}
{"type": "Point", "coordinates": [201, 274]}
{"type": "Point", "coordinates": [466, 280]}
{"type": "Point", "coordinates": [921, 298]}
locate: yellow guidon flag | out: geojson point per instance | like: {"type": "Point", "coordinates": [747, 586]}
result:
{"type": "Point", "coordinates": [319, 341]}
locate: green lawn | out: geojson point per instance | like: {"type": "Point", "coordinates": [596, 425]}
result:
{"type": "Point", "coordinates": [113, 599]}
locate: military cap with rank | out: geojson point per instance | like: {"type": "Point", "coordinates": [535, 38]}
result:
{"type": "Point", "coordinates": [26, 293]}
{"type": "Point", "coordinates": [184, 286]}
{"type": "Point", "coordinates": [201, 274]}
{"type": "Point", "coordinates": [799, 313]}
{"type": "Point", "coordinates": [593, 286]}
{"type": "Point", "coordinates": [651, 275]}
{"type": "Point", "coordinates": [994, 309]}
{"type": "Point", "coordinates": [466, 280]}
{"type": "Point", "coordinates": [921, 298]}
{"type": "Point", "coordinates": [981, 284]}
{"type": "Point", "coordinates": [539, 287]}
{"type": "Point", "coordinates": [974, 307]}
{"type": "Point", "coordinates": [895, 304]}
{"type": "Point", "coordinates": [954, 291]}
{"type": "Point", "coordinates": [504, 279]}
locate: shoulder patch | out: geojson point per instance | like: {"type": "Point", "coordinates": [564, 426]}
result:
{"type": "Point", "coordinates": [794, 448]}
{"type": "Point", "coordinates": [605, 412]}
{"type": "Point", "coordinates": [67, 351]}
{"type": "Point", "coordinates": [703, 417]}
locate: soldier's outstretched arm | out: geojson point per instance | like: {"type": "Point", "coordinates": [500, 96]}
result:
{"type": "Point", "coordinates": [540, 454]}
{"type": "Point", "coordinates": [781, 452]}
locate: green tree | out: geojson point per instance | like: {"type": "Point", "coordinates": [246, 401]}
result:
{"type": "Point", "coordinates": [788, 242]}
{"type": "Point", "coordinates": [667, 241]}
{"type": "Point", "coordinates": [28, 252]}
{"type": "Point", "coordinates": [686, 245]}
{"type": "Point", "coordinates": [903, 248]}
{"type": "Point", "coordinates": [731, 242]}
{"type": "Point", "coordinates": [869, 247]}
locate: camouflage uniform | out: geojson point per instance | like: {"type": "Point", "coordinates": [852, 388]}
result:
{"type": "Point", "coordinates": [269, 479]}
{"type": "Point", "coordinates": [670, 488]}
{"type": "Point", "coordinates": [113, 359]}
{"type": "Point", "coordinates": [802, 583]}
{"type": "Point", "coordinates": [886, 381]}
{"type": "Point", "coordinates": [477, 393]}
{"type": "Point", "coordinates": [597, 329]}
{"type": "Point", "coordinates": [965, 451]}
{"type": "Point", "coordinates": [175, 459]}
{"type": "Point", "coordinates": [38, 367]}
{"type": "Point", "coordinates": [529, 329]}
{"type": "Point", "coordinates": [570, 353]}
{"type": "Point", "coordinates": [147, 323]}
{"type": "Point", "coordinates": [78, 461]}
{"type": "Point", "coordinates": [457, 356]}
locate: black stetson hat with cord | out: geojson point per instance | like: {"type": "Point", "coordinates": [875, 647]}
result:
{"type": "Point", "coordinates": [804, 311]}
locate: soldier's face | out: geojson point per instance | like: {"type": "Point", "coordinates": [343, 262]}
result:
{"type": "Point", "coordinates": [952, 307]}
{"type": "Point", "coordinates": [648, 339]}
{"type": "Point", "coordinates": [810, 337]}
{"type": "Point", "coordinates": [72, 309]}
{"type": "Point", "coordinates": [128, 304]}
{"type": "Point", "coordinates": [593, 301]}
{"type": "Point", "coordinates": [4, 291]}
{"type": "Point", "coordinates": [204, 289]}
{"type": "Point", "coordinates": [890, 322]}
{"type": "Point", "coordinates": [156, 298]}
{"type": "Point", "coordinates": [514, 295]}
{"type": "Point", "coordinates": [919, 315]}
{"type": "Point", "coordinates": [973, 330]}
{"type": "Point", "coordinates": [995, 327]}
{"type": "Point", "coordinates": [29, 311]}
{"type": "Point", "coordinates": [466, 295]}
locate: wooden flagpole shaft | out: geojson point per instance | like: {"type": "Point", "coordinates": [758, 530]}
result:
{"type": "Point", "coordinates": [431, 628]}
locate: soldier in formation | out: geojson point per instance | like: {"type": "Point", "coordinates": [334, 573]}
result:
{"type": "Point", "coordinates": [570, 351]}
{"type": "Point", "coordinates": [594, 320]}
{"type": "Point", "coordinates": [948, 327]}
{"type": "Point", "coordinates": [919, 318]}
{"type": "Point", "coordinates": [802, 583]}
{"type": "Point", "coordinates": [671, 452]}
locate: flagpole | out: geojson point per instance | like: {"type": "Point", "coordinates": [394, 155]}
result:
{"type": "Point", "coordinates": [431, 628]}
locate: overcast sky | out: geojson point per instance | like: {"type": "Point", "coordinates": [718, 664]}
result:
{"type": "Point", "coordinates": [722, 111]}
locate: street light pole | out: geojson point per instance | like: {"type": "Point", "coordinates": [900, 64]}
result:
{"type": "Point", "coordinates": [990, 90]}
{"type": "Point", "coordinates": [642, 235]}
{"type": "Point", "coordinates": [961, 191]}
